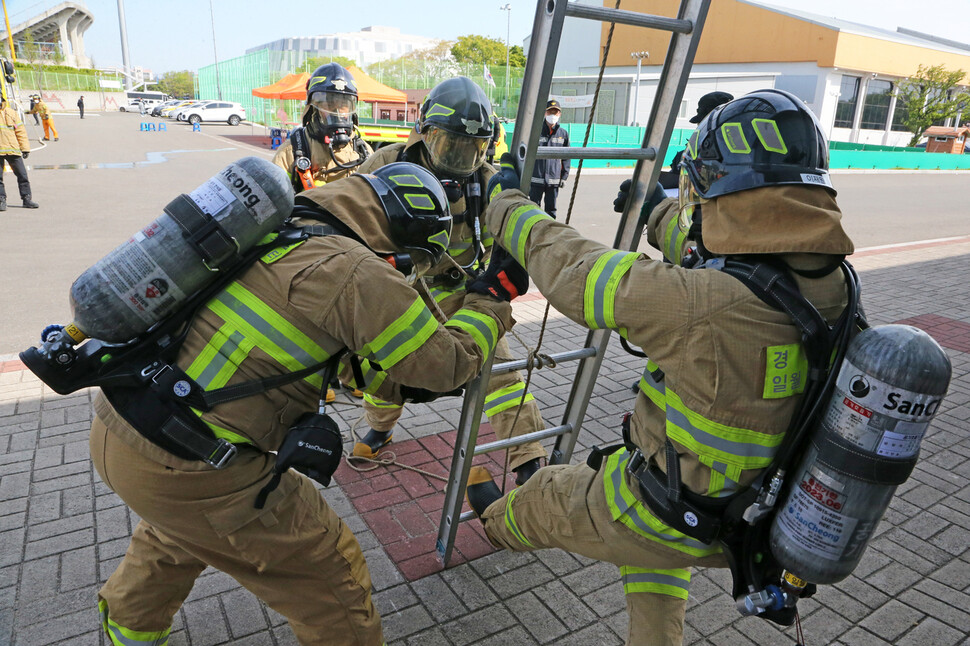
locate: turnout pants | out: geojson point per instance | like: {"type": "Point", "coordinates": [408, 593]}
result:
{"type": "Point", "coordinates": [49, 128]}
{"type": "Point", "coordinates": [579, 510]}
{"type": "Point", "coordinates": [16, 163]}
{"type": "Point", "coordinates": [295, 553]}
{"type": "Point", "coordinates": [501, 402]}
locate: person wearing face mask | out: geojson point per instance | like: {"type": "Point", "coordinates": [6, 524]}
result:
{"type": "Point", "coordinates": [451, 138]}
{"type": "Point", "coordinates": [549, 175]}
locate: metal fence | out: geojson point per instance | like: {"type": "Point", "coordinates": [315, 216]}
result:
{"type": "Point", "coordinates": [39, 79]}
{"type": "Point", "coordinates": [237, 77]}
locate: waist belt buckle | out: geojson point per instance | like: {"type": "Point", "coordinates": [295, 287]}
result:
{"type": "Point", "coordinates": [223, 454]}
{"type": "Point", "coordinates": [161, 371]}
{"type": "Point", "coordinates": [635, 462]}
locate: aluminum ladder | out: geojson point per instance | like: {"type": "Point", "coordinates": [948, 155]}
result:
{"type": "Point", "coordinates": [546, 34]}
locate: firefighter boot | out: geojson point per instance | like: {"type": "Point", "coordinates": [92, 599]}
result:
{"type": "Point", "coordinates": [373, 442]}
{"type": "Point", "coordinates": [481, 491]}
{"type": "Point", "coordinates": [525, 471]}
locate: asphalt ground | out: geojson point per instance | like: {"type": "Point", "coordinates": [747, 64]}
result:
{"type": "Point", "coordinates": [62, 531]}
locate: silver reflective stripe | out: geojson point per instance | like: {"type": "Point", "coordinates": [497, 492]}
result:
{"type": "Point", "coordinates": [220, 359]}
{"type": "Point", "coordinates": [599, 289]}
{"type": "Point", "coordinates": [263, 327]}
{"type": "Point", "coordinates": [653, 577]}
{"type": "Point", "coordinates": [730, 485]}
{"type": "Point", "coordinates": [114, 633]}
{"type": "Point", "coordinates": [740, 449]}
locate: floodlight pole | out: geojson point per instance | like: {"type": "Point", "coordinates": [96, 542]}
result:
{"type": "Point", "coordinates": [508, 30]}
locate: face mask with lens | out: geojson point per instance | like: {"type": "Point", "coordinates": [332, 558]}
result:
{"type": "Point", "coordinates": [335, 108]}
{"type": "Point", "coordinates": [455, 155]}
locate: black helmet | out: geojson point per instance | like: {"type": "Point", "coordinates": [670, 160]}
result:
{"type": "Point", "coordinates": [332, 95]}
{"type": "Point", "coordinates": [416, 207]}
{"type": "Point", "coordinates": [766, 138]}
{"type": "Point", "coordinates": [456, 121]}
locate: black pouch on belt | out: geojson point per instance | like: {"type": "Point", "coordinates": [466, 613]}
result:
{"type": "Point", "coordinates": [312, 446]}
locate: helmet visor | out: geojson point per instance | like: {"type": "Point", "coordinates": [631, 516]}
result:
{"type": "Point", "coordinates": [335, 108]}
{"type": "Point", "coordinates": [688, 200]}
{"type": "Point", "coordinates": [458, 155]}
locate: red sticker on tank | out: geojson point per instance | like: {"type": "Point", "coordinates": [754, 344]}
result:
{"type": "Point", "coordinates": [856, 407]}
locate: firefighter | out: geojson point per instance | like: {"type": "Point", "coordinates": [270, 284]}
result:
{"type": "Point", "coordinates": [708, 407]}
{"type": "Point", "coordinates": [14, 149]}
{"type": "Point", "coordinates": [40, 108]}
{"type": "Point", "coordinates": [297, 304]}
{"type": "Point", "coordinates": [451, 138]}
{"type": "Point", "coordinates": [549, 175]}
{"type": "Point", "coordinates": [326, 147]}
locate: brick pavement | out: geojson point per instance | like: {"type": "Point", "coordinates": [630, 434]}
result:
{"type": "Point", "coordinates": [62, 532]}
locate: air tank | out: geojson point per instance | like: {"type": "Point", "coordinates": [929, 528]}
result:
{"type": "Point", "coordinates": [889, 387]}
{"type": "Point", "coordinates": [157, 269]}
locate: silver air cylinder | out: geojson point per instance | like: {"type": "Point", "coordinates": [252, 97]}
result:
{"type": "Point", "coordinates": [152, 274]}
{"type": "Point", "coordinates": [889, 387]}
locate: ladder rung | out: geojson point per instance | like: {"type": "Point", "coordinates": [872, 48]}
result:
{"type": "Point", "coordinates": [559, 152]}
{"type": "Point", "coordinates": [518, 440]}
{"type": "Point", "coordinates": [623, 17]}
{"type": "Point", "coordinates": [559, 357]}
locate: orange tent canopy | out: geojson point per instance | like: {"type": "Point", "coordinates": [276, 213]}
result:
{"type": "Point", "coordinates": [291, 86]}
{"type": "Point", "coordinates": [369, 90]}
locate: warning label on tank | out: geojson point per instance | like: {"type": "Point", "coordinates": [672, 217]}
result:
{"type": "Point", "coordinates": [812, 519]}
{"type": "Point", "coordinates": [213, 198]}
{"type": "Point", "coordinates": [138, 281]}
{"type": "Point", "coordinates": [878, 417]}
{"type": "Point", "coordinates": [249, 192]}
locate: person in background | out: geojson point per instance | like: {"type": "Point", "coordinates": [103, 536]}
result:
{"type": "Point", "coordinates": [39, 107]}
{"type": "Point", "coordinates": [80, 106]}
{"type": "Point", "coordinates": [549, 175]}
{"type": "Point", "coordinates": [707, 103]}
{"type": "Point", "coordinates": [14, 148]}
{"type": "Point", "coordinates": [33, 101]}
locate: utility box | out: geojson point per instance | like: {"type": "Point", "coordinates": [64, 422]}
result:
{"type": "Point", "coordinates": [941, 139]}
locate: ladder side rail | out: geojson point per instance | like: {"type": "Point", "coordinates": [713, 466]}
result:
{"type": "Point", "coordinates": [663, 115]}
{"type": "Point", "coordinates": [461, 461]}
{"type": "Point", "coordinates": [543, 50]}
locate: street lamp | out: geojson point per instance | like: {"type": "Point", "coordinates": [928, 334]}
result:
{"type": "Point", "coordinates": [508, 27]}
{"type": "Point", "coordinates": [636, 96]}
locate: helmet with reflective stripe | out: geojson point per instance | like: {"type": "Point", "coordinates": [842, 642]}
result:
{"type": "Point", "coordinates": [332, 94]}
{"type": "Point", "coordinates": [456, 121]}
{"type": "Point", "coordinates": [416, 207]}
{"type": "Point", "coordinates": [765, 138]}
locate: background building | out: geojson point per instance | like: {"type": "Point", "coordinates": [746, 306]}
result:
{"type": "Point", "coordinates": [846, 72]}
{"type": "Point", "coordinates": [369, 45]}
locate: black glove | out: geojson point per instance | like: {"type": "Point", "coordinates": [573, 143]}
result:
{"type": "Point", "coordinates": [25, 153]}
{"type": "Point", "coordinates": [313, 446]}
{"type": "Point", "coordinates": [506, 178]}
{"type": "Point", "coordinates": [423, 395]}
{"type": "Point", "coordinates": [623, 196]}
{"type": "Point", "coordinates": [504, 278]}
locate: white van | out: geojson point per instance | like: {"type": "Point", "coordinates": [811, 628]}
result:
{"type": "Point", "coordinates": [149, 99]}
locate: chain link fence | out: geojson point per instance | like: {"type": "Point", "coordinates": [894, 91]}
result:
{"type": "Point", "coordinates": [38, 79]}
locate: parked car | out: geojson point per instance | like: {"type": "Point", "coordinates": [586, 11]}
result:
{"type": "Point", "coordinates": [214, 111]}
{"type": "Point", "coordinates": [131, 106]}
{"type": "Point", "coordinates": [157, 110]}
{"type": "Point", "coordinates": [168, 112]}
{"type": "Point", "coordinates": [178, 112]}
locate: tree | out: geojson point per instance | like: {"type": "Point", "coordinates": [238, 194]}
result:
{"type": "Point", "coordinates": [177, 84]}
{"type": "Point", "coordinates": [516, 56]}
{"type": "Point", "coordinates": [419, 68]}
{"type": "Point", "coordinates": [313, 62]}
{"type": "Point", "coordinates": [479, 49]}
{"type": "Point", "coordinates": [930, 96]}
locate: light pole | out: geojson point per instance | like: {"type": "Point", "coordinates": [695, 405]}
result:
{"type": "Point", "coordinates": [508, 27]}
{"type": "Point", "coordinates": [215, 55]}
{"type": "Point", "coordinates": [636, 90]}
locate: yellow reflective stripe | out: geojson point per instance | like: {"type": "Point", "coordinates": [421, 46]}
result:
{"type": "Point", "coordinates": [627, 509]}
{"type": "Point", "coordinates": [121, 636]}
{"type": "Point", "coordinates": [732, 445]}
{"type": "Point", "coordinates": [653, 389]}
{"type": "Point", "coordinates": [511, 524]}
{"type": "Point", "coordinates": [599, 298]}
{"type": "Point", "coordinates": [378, 403]}
{"type": "Point", "coordinates": [220, 358]}
{"type": "Point", "coordinates": [674, 240]}
{"type": "Point", "coordinates": [439, 294]}
{"type": "Point", "coordinates": [724, 477]}
{"type": "Point", "coordinates": [373, 378]}
{"type": "Point", "coordinates": [481, 327]}
{"type": "Point", "coordinates": [225, 433]}
{"type": "Point", "coordinates": [271, 333]}
{"type": "Point", "coordinates": [518, 227]}
{"type": "Point", "coordinates": [673, 583]}
{"type": "Point", "coordinates": [402, 337]}
{"type": "Point", "coordinates": [506, 398]}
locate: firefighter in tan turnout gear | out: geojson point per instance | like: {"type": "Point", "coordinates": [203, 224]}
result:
{"type": "Point", "coordinates": [709, 405]}
{"type": "Point", "coordinates": [451, 139]}
{"type": "Point", "coordinates": [297, 305]}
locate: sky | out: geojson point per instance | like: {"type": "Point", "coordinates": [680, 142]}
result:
{"type": "Point", "coordinates": [177, 34]}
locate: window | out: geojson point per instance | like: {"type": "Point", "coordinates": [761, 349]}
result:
{"type": "Point", "coordinates": [400, 115]}
{"type": "Point", "coordinates": [875, 111]}
{"type": "Point", "coordinates": [899, 115]}
{"type": "Point", "coordinates": [386, 114]}
{"type": "Point", "coordinates": [941, 139]}
{"type": "Point", "coordinates": [848, 99]}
